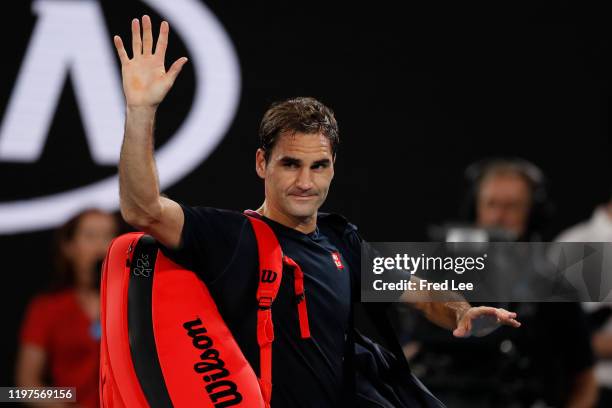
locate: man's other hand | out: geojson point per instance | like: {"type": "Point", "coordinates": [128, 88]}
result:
{"type": "Point", "coordinates": [482, 320]}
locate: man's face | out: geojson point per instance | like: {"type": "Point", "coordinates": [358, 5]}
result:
{"type": "Point", "coordinates": [298, 173]}
{"type": "Point", "coordinates": [504, 201]}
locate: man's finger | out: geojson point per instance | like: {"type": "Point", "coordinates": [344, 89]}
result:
{"type": "Point", "coordinates": [463, 328]}
{"type": "Point", "coordinates": [147, 36]}
{"type": "Point", "coordinates": [136, 42]}
{"type": "Point", "coordinates": [504, 315]}
{"type": "Point", "coordinates": [485, 310]}
{"type": "Point", "coordinates": [468, 326]}
{"type": "Point", "coordinates": [512, 322]}
{"type": "Point", "coordinates": [459, 332]}
{"type": "Point", "coordinates": [500, 314]}
{"type": "Point", "coordinates": [507, 318]}
{"type": "Point", "coordinates": [162, 40]}
{"type": "Point", "coordinates": [511, 314]}
{"type": "Point", "coordinates": [123, 57]}
{"type": "Point", "coordinates": [176, 68]}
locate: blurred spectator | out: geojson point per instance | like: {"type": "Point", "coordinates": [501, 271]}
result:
{"type": "Point", "coordinates": [548, 361]}
{"type": "Point", "coordinates": [598, 229]}
{"type": "Point", "coordinates": [509, 194]}
{"type": "Point", "coordinates": [60, 336]}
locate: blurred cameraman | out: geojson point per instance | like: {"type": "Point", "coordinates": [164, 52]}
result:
{"type": "Point", "coordinates": [548, 362]}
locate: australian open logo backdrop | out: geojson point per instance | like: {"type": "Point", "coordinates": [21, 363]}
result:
{"type": "Point", "coordinates": [64, 104]}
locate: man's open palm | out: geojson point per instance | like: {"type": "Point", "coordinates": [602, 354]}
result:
{"type": "Point", "coordinates": [145, 80]}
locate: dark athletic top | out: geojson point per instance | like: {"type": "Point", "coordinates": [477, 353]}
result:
{"type": "Point", "coordinates": [219, 245]}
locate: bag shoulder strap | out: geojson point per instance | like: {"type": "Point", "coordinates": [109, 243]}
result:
{"type": "Point", "coordinates": [270, 275]}
{"type": "Point", "coordinates": [271, 262]}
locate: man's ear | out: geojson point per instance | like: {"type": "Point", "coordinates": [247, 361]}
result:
{"type": "Point", "coordinates": [260, 163]}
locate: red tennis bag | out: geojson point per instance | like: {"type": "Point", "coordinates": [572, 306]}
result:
{"type": "Point", "coordinates": [164, 342]}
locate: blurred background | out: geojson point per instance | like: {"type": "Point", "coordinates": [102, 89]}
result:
{"type": "Point", "coordinates": [420, 91]}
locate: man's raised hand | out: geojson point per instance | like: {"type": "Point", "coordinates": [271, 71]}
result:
{"type": "Point", "coordinates": [145, 79]}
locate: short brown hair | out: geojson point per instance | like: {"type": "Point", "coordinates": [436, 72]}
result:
{"type": "Point", "coordinates": [304, 115]}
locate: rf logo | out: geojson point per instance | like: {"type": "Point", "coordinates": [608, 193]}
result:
{"type": "Point", "coordinates": [143, 267]}
{"type": "Point", "coordinates": [337, 260]}
{"type": "Point", "coordinates": [268, 276]}
{"type": "Point", "coordinates": [91, 67]}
